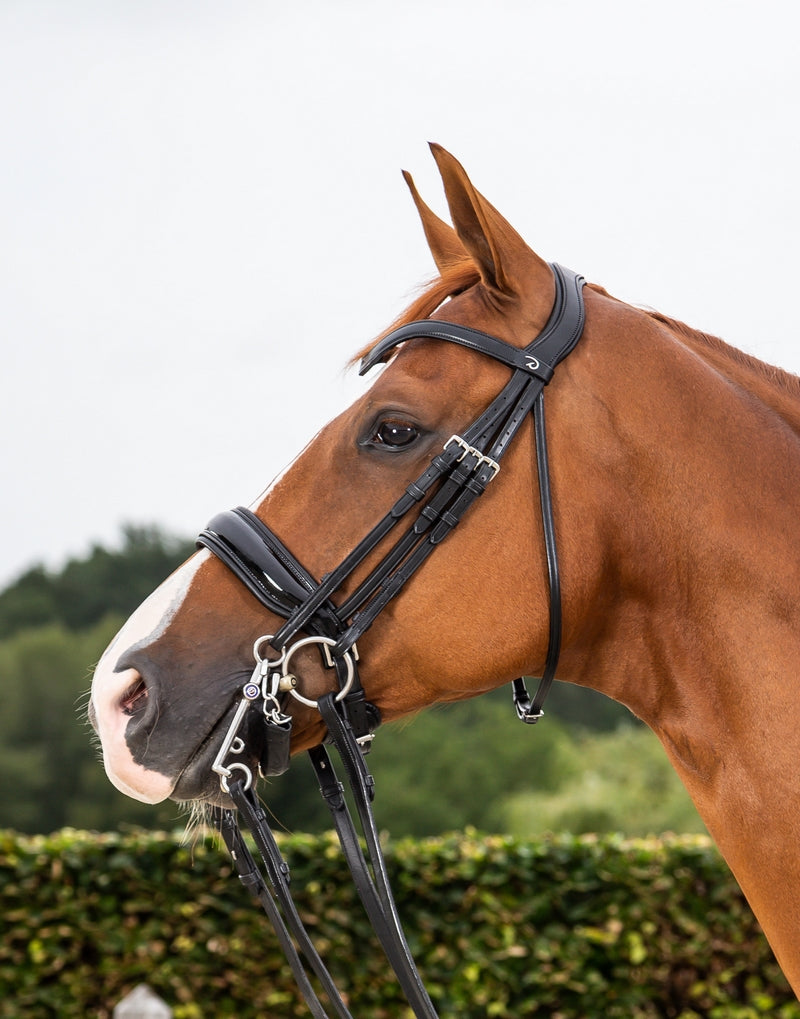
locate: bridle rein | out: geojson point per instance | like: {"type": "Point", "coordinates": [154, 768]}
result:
{"type": "Point", "coordinates": [434, 503]}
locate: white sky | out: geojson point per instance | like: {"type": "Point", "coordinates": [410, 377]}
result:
{"type": "Point", "coordinates": [202, 215]}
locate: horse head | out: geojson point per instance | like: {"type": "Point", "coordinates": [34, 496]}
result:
{"type": "Point", "coordinates": [473, 617]}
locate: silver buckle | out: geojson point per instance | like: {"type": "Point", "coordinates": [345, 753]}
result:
{"type": "Point", "coordinates": [468, 450]}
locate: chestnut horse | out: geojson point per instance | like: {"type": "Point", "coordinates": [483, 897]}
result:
{"type": "Point", "coordinates": [675, 476]}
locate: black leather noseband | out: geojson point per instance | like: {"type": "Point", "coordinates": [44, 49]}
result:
{"type": "Point", "coordinates": [430, 507]}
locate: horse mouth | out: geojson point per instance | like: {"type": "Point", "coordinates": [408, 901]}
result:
{"type": "Point", "coordinates": [198, 782]}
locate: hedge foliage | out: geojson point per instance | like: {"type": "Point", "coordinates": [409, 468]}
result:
{"type": "Point", "coordinates": [563, 927]}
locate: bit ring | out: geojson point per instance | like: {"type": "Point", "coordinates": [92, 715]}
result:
{"type": "Point", "coordinates": [327, 642]}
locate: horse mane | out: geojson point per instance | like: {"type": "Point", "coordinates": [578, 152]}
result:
{"type": "Point", "coordinates": [456, 277]}
{"type": "Point", "coordinates": [719, 351]}
{"type": "Point", "coordinates": [463, 274]}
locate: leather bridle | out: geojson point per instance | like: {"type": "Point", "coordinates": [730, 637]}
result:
{"type": "Point", "coordinates": [432, 506]}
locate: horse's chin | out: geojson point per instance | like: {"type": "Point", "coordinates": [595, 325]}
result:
{"type": "Point", "coordinates": [197, 782]}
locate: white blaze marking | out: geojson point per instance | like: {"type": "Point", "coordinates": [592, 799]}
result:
{"type": "Point", "coordinates": [148, 622]}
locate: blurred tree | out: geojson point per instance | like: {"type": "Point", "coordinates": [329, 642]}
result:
{"type": "Point", "coordinates": [30, 601]}
{"type": "Point", "coordinates": [51, 773]}
{"type": "Point", "coordinates": [443, 769]}
{"type": "Point", "coordinates": [452, 766]}
{"type": "Point", "coordinates": [620, 781]}
{"type": "Point", "coordinates": [457, 764]}
{"type": "Point", "coordinates": [85, 590]}
{"type": "Point", "coordinates": [578, 705]}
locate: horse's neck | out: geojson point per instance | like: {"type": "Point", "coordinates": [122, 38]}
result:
{"type": "Point", "coordinates": [702, 606]}
{"type": "Point", "coordinates": [775, 388]}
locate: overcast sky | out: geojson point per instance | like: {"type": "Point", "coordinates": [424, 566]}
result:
{"type": "Point", "coordinates": [202, 214]}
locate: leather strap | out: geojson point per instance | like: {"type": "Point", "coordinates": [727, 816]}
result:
{"type": "Point", "coordinates": [483, 343]}
{"type": "Point", "coordinates": [375, 891]}
{"type": "Point", "coordinates": [251, 878]}
{"type": "Point", "coordinates": [370, 878]}
{"type": "Point", "coordinates": [528, 710]}
{"type": "Point", "coordinates": [539, 358]}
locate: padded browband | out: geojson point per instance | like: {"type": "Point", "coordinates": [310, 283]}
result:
{"type": "Point", "coordinates": [539, 358]}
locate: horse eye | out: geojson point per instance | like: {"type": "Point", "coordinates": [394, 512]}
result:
{"type": "Point", "coordinates": [395, 434]}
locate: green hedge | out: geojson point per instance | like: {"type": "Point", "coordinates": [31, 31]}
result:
{"type": "Point", "coordinates": [563, 927]}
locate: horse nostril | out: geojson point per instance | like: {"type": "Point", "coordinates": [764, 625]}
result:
{"type": "Point", "coordinates": [134, 698]}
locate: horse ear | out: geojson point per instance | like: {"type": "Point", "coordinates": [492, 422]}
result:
{"type": "Point", "coordinates": [442, 239]}
{"type": "Point", "coordinates": [505, 261]}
